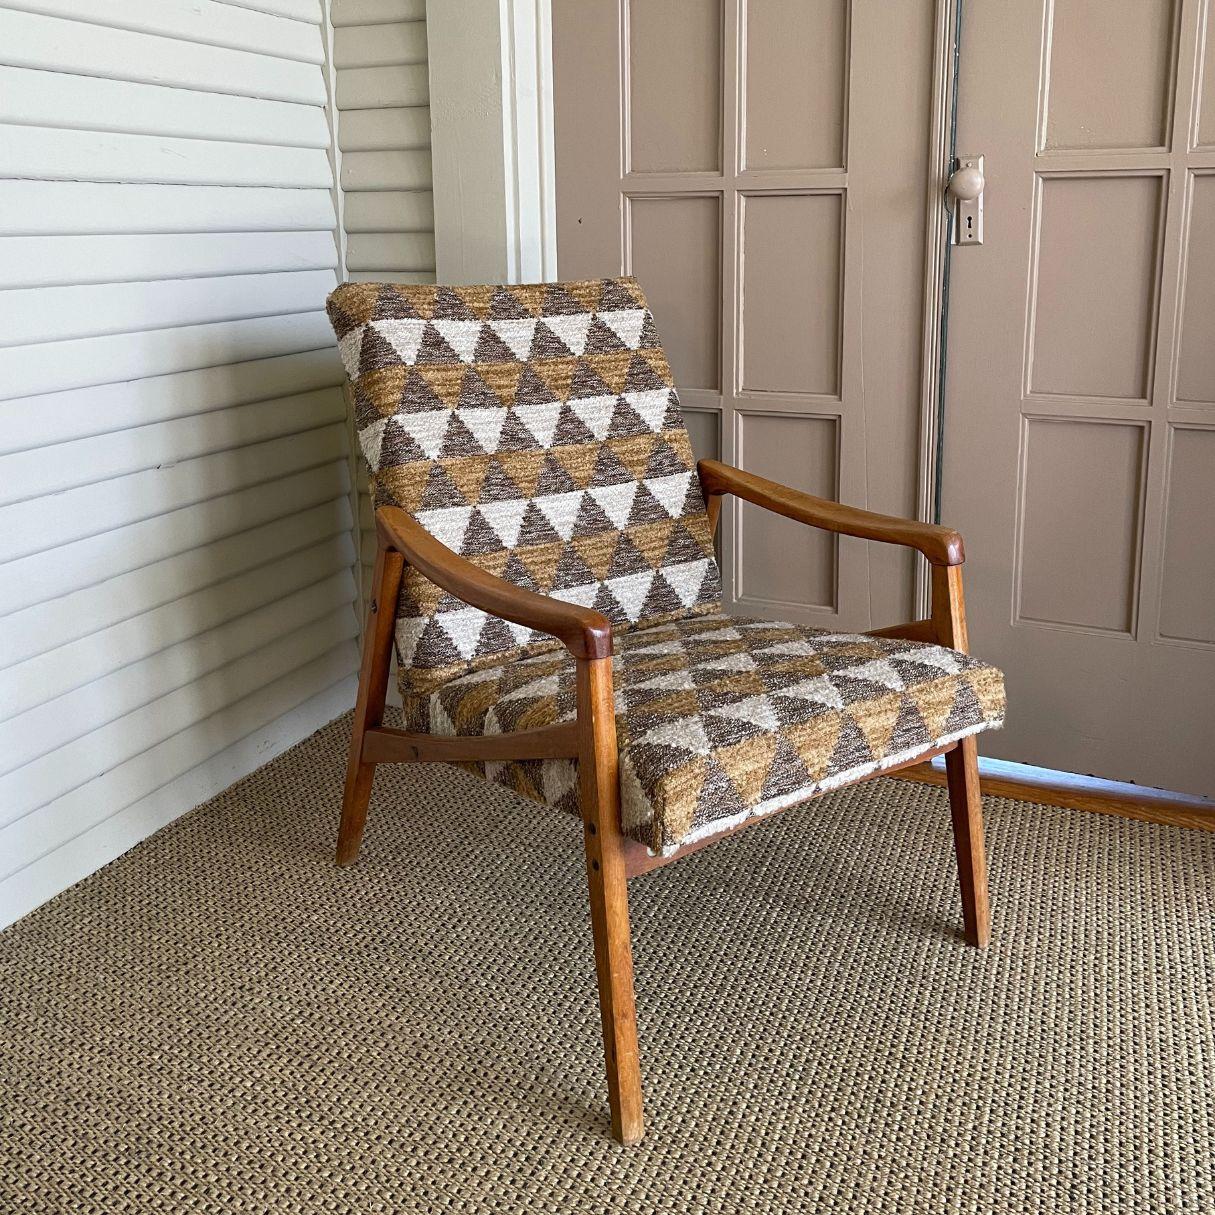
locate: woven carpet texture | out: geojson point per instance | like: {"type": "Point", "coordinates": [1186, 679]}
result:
{"type": "Point", "coordinates": [222, 1021]}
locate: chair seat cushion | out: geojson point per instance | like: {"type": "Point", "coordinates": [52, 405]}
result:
{"type": "Point", "coordinates": [719, 718]}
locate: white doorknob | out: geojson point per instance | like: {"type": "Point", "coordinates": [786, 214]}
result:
{"type": "Point", "coordinates": [966, 184]}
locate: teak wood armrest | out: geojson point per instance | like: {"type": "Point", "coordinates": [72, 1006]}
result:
{"type": "Point", "coordinates": [583, 631]}
{"type": "Point", "coordinates": [940, 545]}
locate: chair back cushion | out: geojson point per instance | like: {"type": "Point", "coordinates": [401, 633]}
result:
{"type": "Point", "coordinates": [534, 430]}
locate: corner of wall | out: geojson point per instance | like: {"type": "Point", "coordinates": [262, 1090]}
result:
{"type": "Point", "coordinates": [491, 115]}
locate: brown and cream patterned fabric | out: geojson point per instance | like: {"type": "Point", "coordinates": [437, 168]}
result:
{"type": "Point", "coordinates": [536, 431]}
{"type": "Point", "coordinates": [720, 718]}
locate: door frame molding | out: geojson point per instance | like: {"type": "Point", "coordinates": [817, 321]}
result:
{"type": "Point", "coordinates": [936, 254]}
{"type": "Point", "coordinates": [495, 202]}
{"type": "Point", "coordinates": [527, 139]}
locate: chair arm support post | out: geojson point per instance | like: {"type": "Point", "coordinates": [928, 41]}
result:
{"type": "Point", "coordinates": [942, 546]}
{"type": "Point", "coordinates": [949, 608]}
{"type": "Point", "coordinates": [585, 633]}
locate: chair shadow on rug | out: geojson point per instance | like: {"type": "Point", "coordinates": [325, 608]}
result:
{"type": "Point", "coordinates": [545, 571]}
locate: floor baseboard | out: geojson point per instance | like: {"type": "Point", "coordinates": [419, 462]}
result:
{"type": "Point", "coordinates": [1071, 793]}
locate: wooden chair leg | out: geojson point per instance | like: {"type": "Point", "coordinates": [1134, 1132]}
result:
{"type": "Point", "coordinates": [962, 767]}
{"type": "Point", "coordinates": [598, 763]}
{"type": "Point", "coordinates": [966, 807]}
{"type": "Point", "coordinates": [369, 707]}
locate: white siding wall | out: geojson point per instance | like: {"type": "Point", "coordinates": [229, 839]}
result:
{"type": "Point", "coordinates": [176, 534]}
{"type": "Point", "coordinates": [383, 131]}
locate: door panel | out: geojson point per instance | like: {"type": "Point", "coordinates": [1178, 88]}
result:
{"type": "Point", "coordinates": [1205, 135]}
{"type": "Point", "coordinates": [675, 64]}
{"type": "Point", "coordinates": [795, 85]}
{"type": "Point", "coordinates": [674, 242]}
{"type": "Point", "coordinates": [1082, 576]}
{"type": "Point", "coordinates": [761, 167]}
{"type": "Point", "coordinates": [782, 565]}
{"type": "Point", "coordinates": [1110, 290]}
{"type": "Point", "coordinates": [704, 429]}
{"type": "Point", "coordinates": [791, 257]}
{"type": "Point", "coordinates": [1186, 610]}
{"type": "Point", "coordinates": [1196, 358]}
{"type": "Point", "coordinates": [1081, 385]}
{"type": "Point", "coordinates": [1125, 48]}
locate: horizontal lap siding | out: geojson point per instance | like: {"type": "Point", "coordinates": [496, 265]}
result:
{"type": "Point", "coordinates": [379, 53]}
{"type": "Point", "coordinates": [176, 532]}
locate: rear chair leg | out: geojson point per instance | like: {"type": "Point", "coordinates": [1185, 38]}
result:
{"type": "Point", "coordinates": [966, 807]}
{"type": "Point", "coordinates": [598, 766]}
{"type": "Point", "coordinates": [369, 707]}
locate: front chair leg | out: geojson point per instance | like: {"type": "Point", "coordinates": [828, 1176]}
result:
{"type": "Point", "coordinates": [966, 807]}
{"type": "Point", "coordinates": [962, 768]}
{"type": "Point", "coordinates": [369, 707]}
{"type": "Point", "coordinates": [599, 789]}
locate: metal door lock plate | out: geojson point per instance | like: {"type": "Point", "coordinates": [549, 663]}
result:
{"type": "Point", "coordinates": [966, 186]}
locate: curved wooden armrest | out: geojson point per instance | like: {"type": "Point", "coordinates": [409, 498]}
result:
{"type": "Point", "coordinates": [584, 632]}
{"type": "Point", "coordinates": [941, 545]}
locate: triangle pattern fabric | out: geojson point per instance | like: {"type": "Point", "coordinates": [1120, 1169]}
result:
{"type": "Point", "coordinates": [720, 718]}
{"type": "Point", "coordinates": [516, 334]}
{"type": "Point", "coordinates": [626, 325]}
{"type": "Point", "coordinates": [534, 430]}
{"type": "Point", "coordinates": [571, 329]}
{"type": "Point", "coordinates": [374, 352]}
{"type": "Point", "coordinates": [350, 347]}
{"type": "Point", "coordinates": [404, 336]}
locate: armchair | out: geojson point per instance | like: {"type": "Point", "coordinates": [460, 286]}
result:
{"type": "Point", "coordinates": [545, 571]}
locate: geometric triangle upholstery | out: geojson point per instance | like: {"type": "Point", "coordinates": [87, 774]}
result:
{"type": "Point", "coordinates": [721, 718]}
{"type": "Point", "coordinates": [535, 430]}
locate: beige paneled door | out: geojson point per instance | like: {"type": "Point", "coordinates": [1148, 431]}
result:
{"type": "Point", "coordinates": [762, 166]}
{"type": "Point", "coordinates": [1080, 411]}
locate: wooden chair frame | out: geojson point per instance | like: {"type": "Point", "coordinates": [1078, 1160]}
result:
{"type": "Point", "coordinates": [612, 858]}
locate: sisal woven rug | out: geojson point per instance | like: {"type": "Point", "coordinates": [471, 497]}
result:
{"type": "Point", "coordinates": [222, 1021]}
